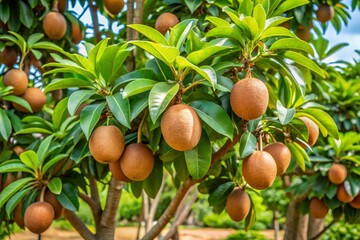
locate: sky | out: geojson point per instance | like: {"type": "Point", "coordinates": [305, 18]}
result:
{"type": "Point", "coordinates": [349, 34]}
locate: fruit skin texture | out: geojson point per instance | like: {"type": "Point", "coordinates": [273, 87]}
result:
{"type": "Point", "coordinates": [106, 144]}
{"type": "Point", "coordinates": [356, 202]}
{"type": "Point", "coordinates": [318, 209]}
{"type": "Point", "coordinates": [50, 198]}
{"type": "Point", "coordinates": [137, 161]}
{"type": "Point", "coordinates": [249, 98]}
{"type": "Point", "coordinates": [181, 127]}
{"type": "Point", "coordinates": [281, 154]}
{"type": "Point", "coordinates": [18, 79]}
{"type": "Point", "coordinates": [117, 172]}
{"type": "Point", "coordinates": [114, 6]}
{"type": "Point", "coordinates": [259, 170]}
{"type": "Point", "coordinates": [337, 173]}
{"type": "Point", "coordinates": [313, 130]}
{"type": "Point", "coordinates": [54, 25]}
{"type": "Point", "coordinates": [8, 56]}
{"type": "Point", "coordinates": [166, 21]}
{"type": "Point", "coordinates": [342, 195]}
{"type": "Point", "coordinates": [35, 97]}
{"type": "Point", "coordinates": [238, 204]}
{"type": "Point", "coordinates": [38, 217]}
{"type": "Point", "coordinates": [76, 33]}
{"type": "Point", "coordinates": [325, 13]}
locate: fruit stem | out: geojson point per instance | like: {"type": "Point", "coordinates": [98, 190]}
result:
{"type": "Point", "coordinates": [260, 142]}
{"type": "Point", "coordinates": [108, 120]}
{"type": "Point", "coordinates": [141, 126]}
{"type": "Point", "coordinates": [191, 86]}
{"type": "Point", "coordinates": [42, 193]}
{"type": "Point", "coordinates": [55, 6]}
{"type": "Point", "coordinates": [22, 59]}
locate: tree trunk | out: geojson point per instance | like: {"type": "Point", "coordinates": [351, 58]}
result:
{"type": "Point", "coordinates": [315, 226]}
{"type": "Point", "coordinates": [276, 225]}
{"type": "Point", "coordinates": [296, 223]}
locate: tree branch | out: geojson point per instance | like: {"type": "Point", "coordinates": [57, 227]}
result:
{"type": "Point", "coordinates": [130, 63]}
{"type": "Point", "coordinates": [94, 192]}
{"type": "Point", "coordinates": [323, 231]}
{"type": "Point", "coordinates": [95, 20]}
{"type": "Point", "coordinates": [78, 225]}
{"type": "Point", "coordinates": [93, 206]}
{"type": "Point", "coordinates": [224, 149]}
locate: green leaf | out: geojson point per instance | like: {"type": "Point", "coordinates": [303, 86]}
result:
{"type": "Point", "coordinates": [201, 55]}
{"type": "Point", "coordinates": [60, 113]}
{"type": "Point", "coordinates": [228, 32]}
{"type": "Point", "coordinates": [136, 188]}
{"type": "Point", "coordinates": [12, 189]}
{"type": "Point", "coordinates": [138, 86]}
{"type": "Point", "coordinates": [30, 159]}
{"type": "Point", "coordinates": [218, 22]}
{"type": "Point", "coordinates": [251, 217]}
{"type": "Point", "coordinates": [303, 61]}
{"type": "Point", "coordinates": [111, 63]}
{"type": "Point", "coordinates": [260, 16]}
{"type": "Point", "coordinates": [77, 98]}
{"type": "Point", "coordinates": [149, 32]}
{"type": "Point", "coordinates": [26, 14]}
{"type": "Point", "coordinates": [215, 116]}
{"type": "Point", "coordinates": [221, 193]}
{"type": "Point", "coordinates": [64, 83]}
{"type": "Point", "coordinates": [42, 151]}
{"type": "Point", "coordinates": [47, 46]}
{"type": "Point", "coordinates": [193, 5]}
{"type": "Point", "coordinates": [55, 185]}
{"type": "Point", "coordinates": [14, 167]}
{"type": "Point", "coordinates": [277, 32]}
{"type": "Point", "coordinates": [297, 155]}
{"type": "Point", "coordinates": [34, 130]}
{"type": "Point", "coordinates": [33, 38]}
{"type": "Point", "coordinates": [285, 115]}
{"type": "Point", "coordinates": [180, 31]}
{"type": "Point", "coordinates": [89, 117]}
{"type": "Point", "coordinates": [293, 44]}
{"type": "Point", "coordinates": [53, 161]}
{"type": "Point", "coordinates": [18, 100]}
{"type": "Point", "coordinates": [247, 144]}
{"type": "Point", "coordinates": [68, 198]}
{"type": "Point", "coordinates": [137, 104]}
{"type": "Point", "coordinates": [120, 108]}
{"type": "Point", "coordinates": [288, 5]}
{"type": "Point", "coordinates": [5, 125]}
{"type": "Point", "coordinates": [153, 182]}
{"type": "Point", "coordinates": [198, 160]}
{"type": "Point", "coordinates": [159, 98]}
{"type": "Point", "coordinates": [14, 200]}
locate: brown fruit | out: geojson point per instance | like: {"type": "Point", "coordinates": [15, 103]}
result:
{"type": "Point", "coordinates": [337, 173]}
{"type": "Point", "coordinates": [18, 150]}
{"type": "Point", "coordinates": [137, 161]}
{"type": "Point", "coordinates": [181, 127]}
{"type": "Point", "coordinates": [18, 218]}
{"type": "Point", "coordinates": [8, 180]}
{"type": "Point", "coordinates": [54, 25]}
{"type": "Point", "coordinates": [57, 95]}
{"type": "Point", "coordinates": [313, 130]}
{"type": "Point", "coordinates": [259, 170]}
{"type": "Point", "coordinates": [325, 13]}
{"type": "Point", "coordinates": [17, 79]}
{"type": "Point", "coordinates": [35, 97]}
{"type": "Point", "coordinates": [238, 204]}
{"type": "Point", "coordinates": [166, 21]}
{"type": "Point", "coordinates": [285, 25]}
{"type": "Point", "coordinates": [318, 209]}
{"type": "Point", "coordinates": [249, 98]}
{"type": "Point", "coordinates": [114, 6]}
{"type": "Point", "coordinates": [38, 217]}
{"type": "Point", "coordinates": [76, 34]}
{"type": "Point", "coordinates": [106, 144]}
{"type": "Point", "coordinates": [8, 57]}
{"type": "Point", "coordinates": [356, 202]}
{"type": "Point", "coordinates": [303, 32]}
{"type": "Point", "coordinates": [281, 154]}
{"type": "Point", "coordinates": [62, 5]}
{"type": "Point", "coordinates": [49, 197]}
{"type": "Point", "coordinates": [342, 195]}
{"type": "Point", "coordinates": [117, 172]}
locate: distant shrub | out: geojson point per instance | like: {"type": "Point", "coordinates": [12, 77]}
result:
{"type": "Point", "coordinates": [249, 235]}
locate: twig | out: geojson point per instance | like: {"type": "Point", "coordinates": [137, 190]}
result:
{"type": "Point", "coordinates": [93, 12]}
{"type": "Point", "coordinates": [323, 231]}
{"type": "Point", "coordinates": [78, 225]}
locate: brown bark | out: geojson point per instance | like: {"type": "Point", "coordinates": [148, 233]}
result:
{"type": "Point", "coordinates": [315, 226]}
{"type": "Point", "coordinates": [296, 223]}
{"type": "Point", "coordinates": [78, 225]}
{"type": "Point", "coordinates": [95, 20]}
{"type": "Point", "coordinates": [130, 63]}
{"type": "Point", "coordinates": [276, 225]}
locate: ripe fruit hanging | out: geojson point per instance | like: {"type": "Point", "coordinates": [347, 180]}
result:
{"type": "Point", "coordinates": [325, 13]}
{"type": "Point", "coordinates": [303, 32]}
{"type": "Point", "coordinates": [318, 208]}
{"type": "Point", "coordinates": [50, 198]}
{"type": "Point", "coordinates": [106, 144]}
{"type": "Point", "coordinates": [137, 161]}
{"type": "Point", "coordinates": [76, 33]}
{"type": "Point", "coordinates": [35, 97]}
{"type": "Point", "coordinates": [342, 195]}
{"type": "Point", "coordinates": [356, 202]}
{"type": "Point", "coordinates": [181, 127]}
{"type": "Point", "coordinates": [249, 98]}
{"type": "Point", "coordinates": [281, 154]}
{"type": "Point", "coordinates": [259, 170]}
{"type": "Point", "coordinates": [313, 130]}
{"type": "Point", "coordinates": [8, 57]}
{"type": "Point", "coordinates": [38, 217]}
{"type": "Point", "coordinates": [114, 6]}
{"type": "Point", "coordinates": [54, 25]}
{"type": "Point", "coordinates": [337, 173]}
{"type": "Point", "coordinates": [117, 172]}
{"type": "Point", "coordinates": [166, 21]}
{"type": "Point", "coordinates": [17, 79]}
{"type": "Point", "coordinates": [238, 204]}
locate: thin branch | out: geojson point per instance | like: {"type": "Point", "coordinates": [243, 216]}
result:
{"type": "Point", "coordinates": [323, 231]}
{"type": "Point", "coordinates": [94, 192]}
{"type": "Point", "coordinates": [224, 149]}
{"type": "Point", "coordinates": [130, 63]}
{"type": "Point", "coordinates": [93, 206]}
{"type": "Point", "coordinates": [95, 20]}
{"type": "Point", "coordinates": [78, 225]}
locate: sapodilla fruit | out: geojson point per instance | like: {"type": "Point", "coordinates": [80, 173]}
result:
{"type": "Point", "coordinates": [166, 21]}
{"type": "Point", "coordinates": [106, 144]}
{"type": "Point", "coordinates": [137, 161]}
{"type": "Point", "coordinates": [259, 170]}
{"type": "Point", "coordinates": [18, 218]}
{"type": "Point", "coordinates": [337, 173]}
{"type": "Point", "coordinates": [318, 209]}
{"type": "Point", "coordinates": [50, 198]}
{"type": "Point", "coordinates": [35, 97]}
{"type": "Point", "coordinates": [8, 57]}
{"type": "Point", "coordinates": [181, 127]}
{"type": "Point", "coordinates": [76, 33]}
{"type": "Point", "coordinates": [249, 98]}
{"type": "Point", "coordinates": [114, 6]}
{"type": "Point", "coordinates": [17, 79]}
{"type": "Point", "coordinates": [313, 130]}
{"type": "Point", "coordinates": [57, 95]}
{"type": "Point", "coordinates": [54, 25]}
{"type": "Point", "coordinates": [238, 204]}
{"type": "Point", "coordinates": [117, 172]}
{"type": "Point", "coordinates": [342, 195]}
{"type": "Point", "coordinates": [356, 202]}
{"type": "Point", "coordinates": [281, 154]}
{"type": "Point", "coordinates": [38, 217]}
{"type": "Point", "coordinates": [325, 13]}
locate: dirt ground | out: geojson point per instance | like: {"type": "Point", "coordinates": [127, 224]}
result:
{"type": "Point", "coordinates": [129, 233]}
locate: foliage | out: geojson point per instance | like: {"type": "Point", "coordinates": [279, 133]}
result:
{"type": "Point", "coordinates": [246, 235]}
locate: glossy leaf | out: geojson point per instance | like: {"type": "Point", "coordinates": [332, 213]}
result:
{"type": "Point", "coordinates": [138, 86]}
{"type": "Point", "coordinates": [68, 83]}
{"type": "Point", "coordinates": [304, 61]}
{"type": "Point", "coordinates": [221, 193]}
{"type": "Point", "coordinates": [77, 98]}
{"type": "Point", "coordinates": [285, 115]}
{"type": "Point", "coordinates": [68, 197]}
{"type": "Point", "coordinates": [153, 182]}
{"type": "Point", "coordinates": [5, 125]}
{"type": "Point", "coordinates": [12, 189]}
{"type": "Point", "coordinates": [120, 108]}
{"type": "Point", "coordinates": [293, 44]}
{"type": "Point", "coordinates": [247, 144]}
{"type": "Point", "coordinates": [43, 150]}
{"type": "Point", "coordinates": [89, 117]}
{"type": "Point", "coordinates": [30, 159]}
{"type": "Point", "coordinates": [55, 185]}
{"type": "Point", "coordinates": [149, 32]}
